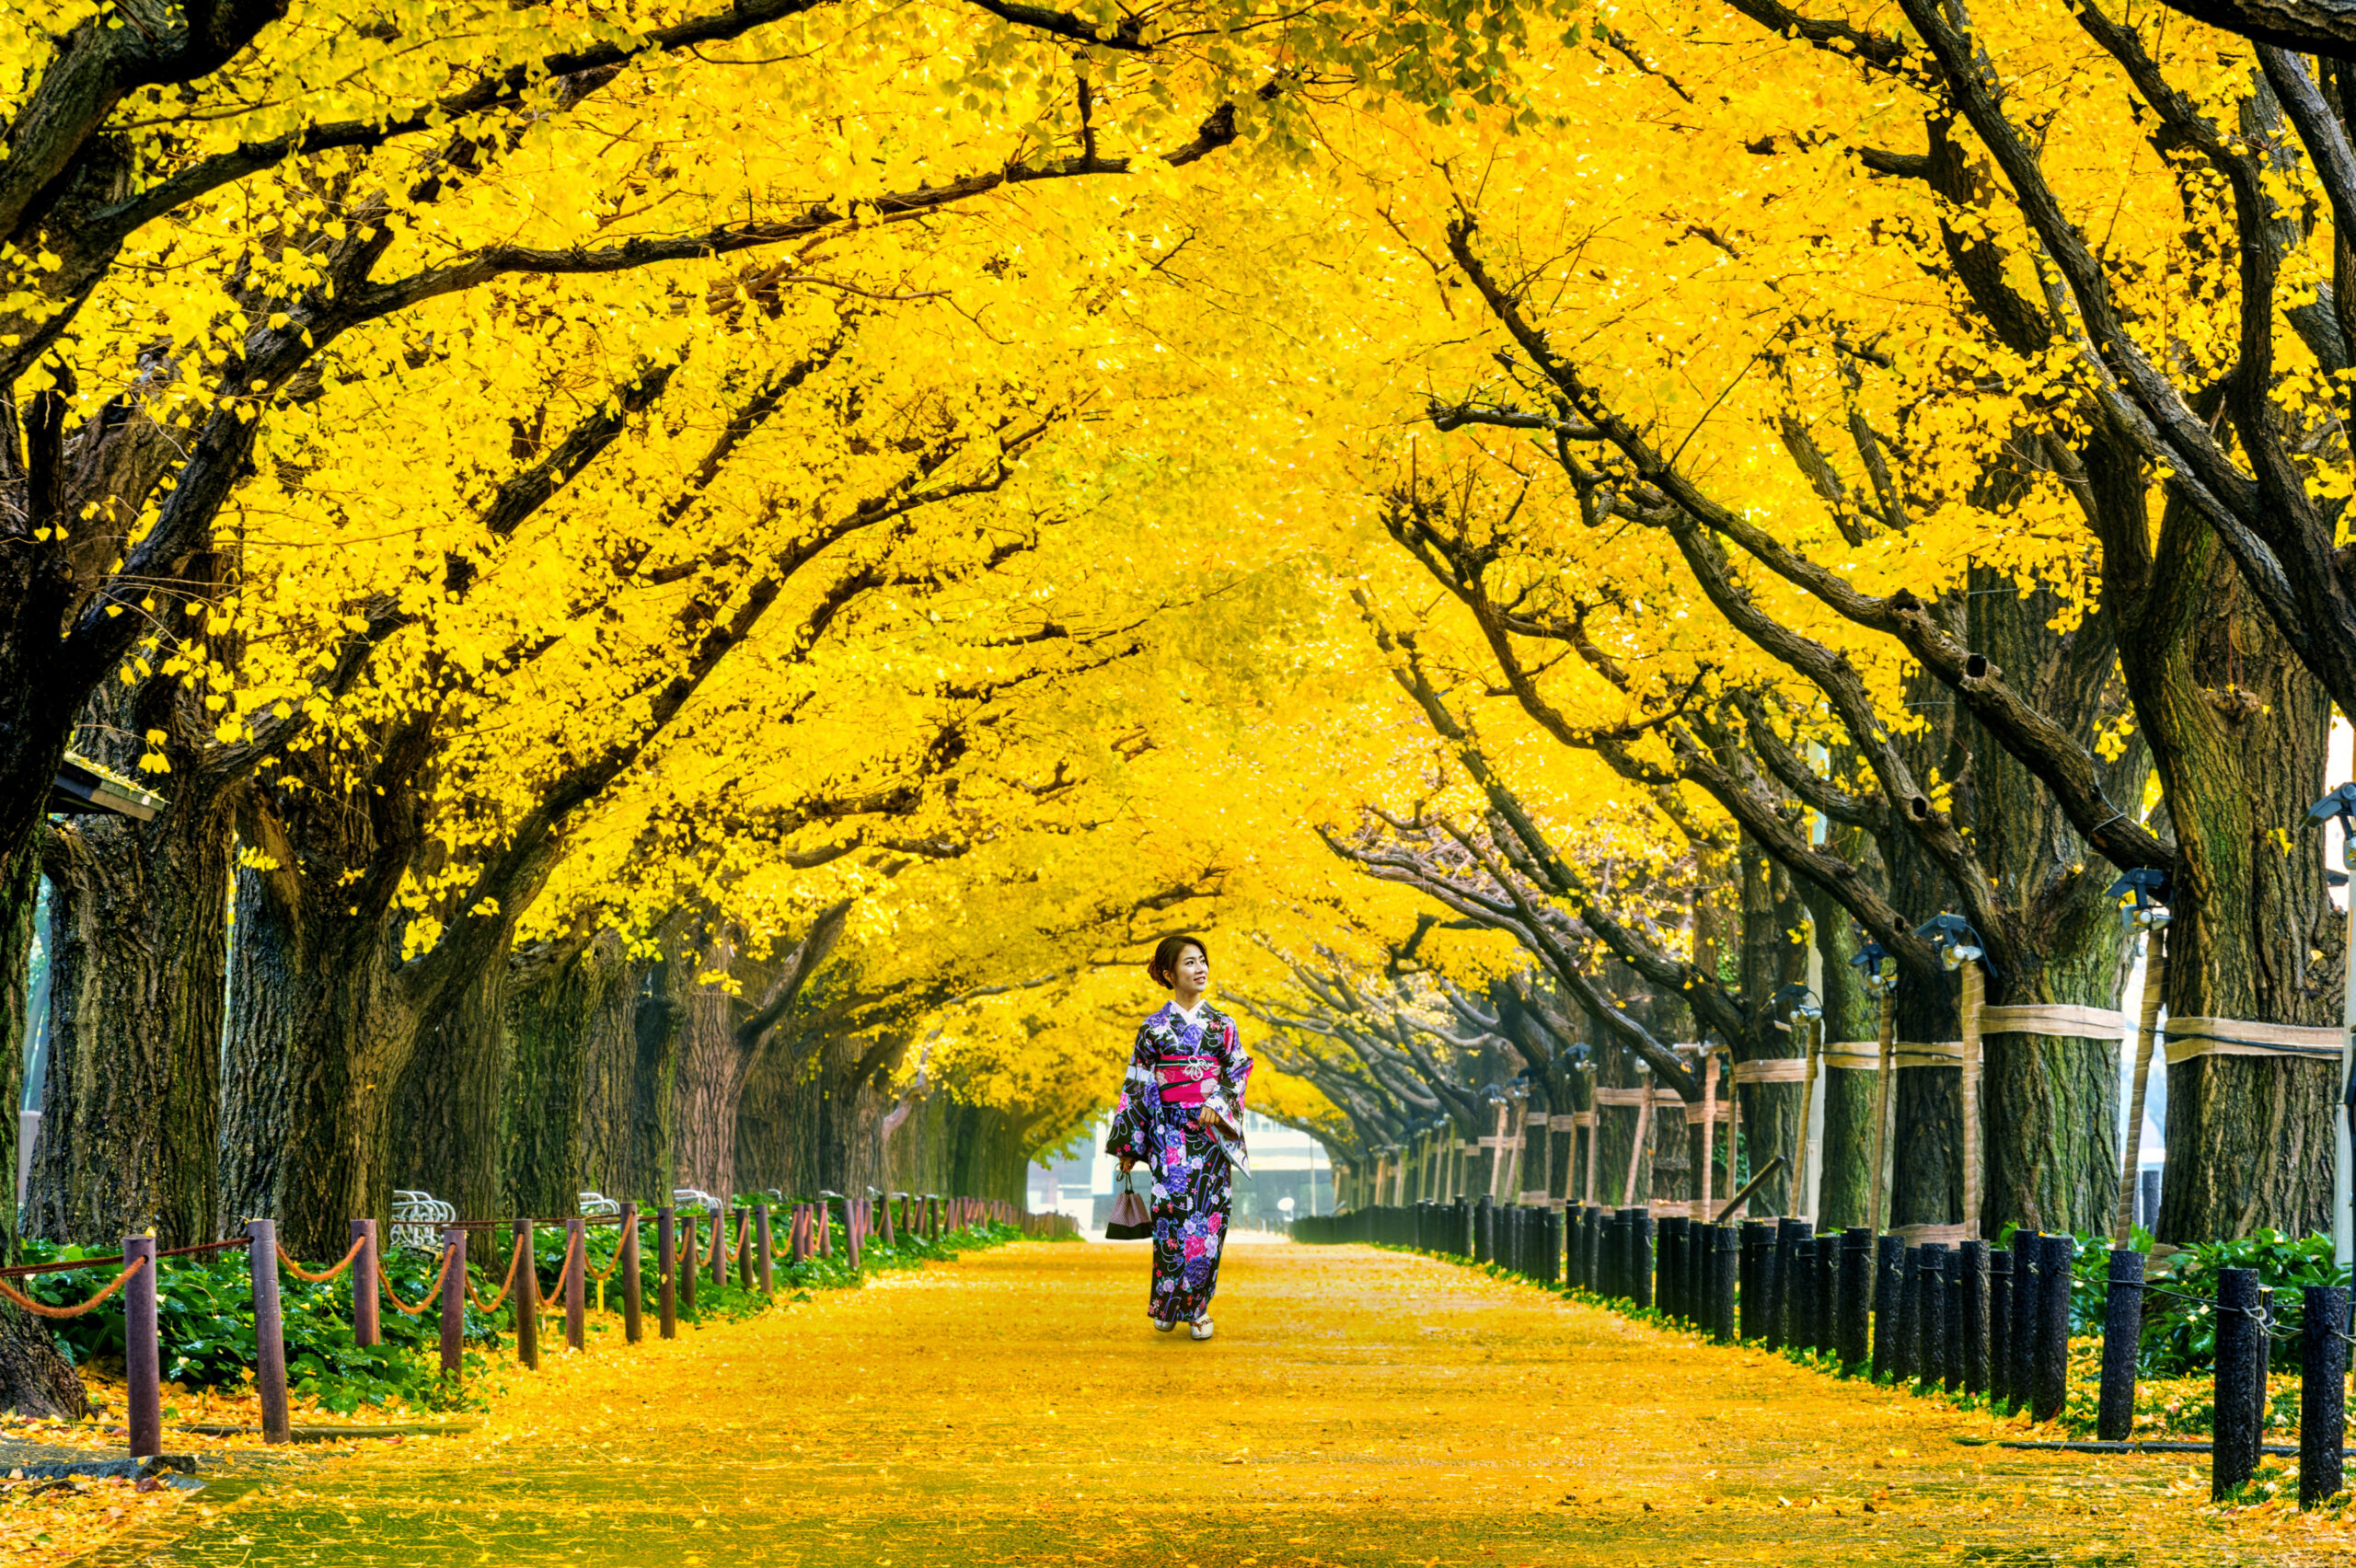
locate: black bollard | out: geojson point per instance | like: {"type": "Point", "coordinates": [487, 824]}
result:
{"type": "Point", "coordinates": [1672, 1265]}
{"type": "Point", "coordinates": [2053, 1372]}
{"type": "Point", "coordinates": [1890, 1268]}
{"type": "Point", "coordinates": [1485, 1231]}
{"type": "Point", "coordinates": [1907, 1343]}
{"type": "Point", "coordinates": [1801, 1329]}
{"type": "Point", "coordinates": [1550, 1262]}
{"type": "Point", "coordinates": [1951, 1349]}
{"type": "Point", "coordinates": [1757, 1284]}
{"type": "Point", "coordinates": [1725, 1266]}
{"type": "Point", "coordinates": [2241, 1363]}
{"type": "Point", "coordinates": [1615, 1255]}
{"type": "Point", "coordinates": [1931, 1316]}
{"type": "Point", "coordinates": [2323, 1391]}
{"type": "Point", "coordinates": [1972, 1263]}
{"type": "Point", "coordinates": [1854, 1341]}
{"type": "Point", "coordinates": [1641, 1229]}
{"type": "Point", "coordinates": [2029, 1267]}
{"type": "Point", "coordinates": [2000, 1327]}
{"type": "Point", "coordinates": [1783, 1329]}
{"type": "Point", "coordinates": [1693, 1271]}
{"type": "Point", "coordinates": [1702, 1276]}
{"type": "Point", "coordinates": [2122, 1334]}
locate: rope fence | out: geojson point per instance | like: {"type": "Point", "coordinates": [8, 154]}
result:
{"type": "Point", "coordinates": [43, 1309]}
{"type": "Point", "coordinates": [1964, 1318]}
{"type": "Point", "coordinates": [926, 1216]}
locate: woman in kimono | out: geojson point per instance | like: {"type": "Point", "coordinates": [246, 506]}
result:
{"type": "Point", "coordinates": [1181, 1115]}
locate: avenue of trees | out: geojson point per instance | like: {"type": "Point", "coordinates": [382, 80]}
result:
{"type": "Point", "coordinates": [673, 597]}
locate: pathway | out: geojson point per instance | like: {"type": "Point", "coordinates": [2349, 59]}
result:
{"type": "Point", "coordinates": [1357, 1407]}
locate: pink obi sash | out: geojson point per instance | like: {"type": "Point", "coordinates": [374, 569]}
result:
{"type": "Point", "coordinates": [1183, 1079]}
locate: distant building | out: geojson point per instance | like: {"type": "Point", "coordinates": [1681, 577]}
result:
{"type": "Point", "coordinates": [1291, 1175]}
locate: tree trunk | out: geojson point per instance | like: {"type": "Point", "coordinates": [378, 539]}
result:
{"type": "Point", "coordinates": [2049, 1127]}
{"type": "Point", "coordinates": [448, 1136]}
{"type": "Point", "coordinates": [129, 1123]}
{"type": "Point", "coordinates": [34, 1379]}
{"type": "Point", "coordinates": [259, 1042]}
{"type": "Point", "coordinates": [711, 1075]}
{"type": "Point", "coordinates": [655, 1024]}
{"type": "Point", "coordinates": [605, 1094]}
{"type": "Point", "coordinates": [1843, 1193]}
{"type": "Point", "coordinates": [2240, 732]}
{"type": "Point", "coordinates": [354, 1030]}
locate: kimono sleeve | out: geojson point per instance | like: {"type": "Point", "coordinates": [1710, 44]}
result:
{"type": "Point", "coordinates": [1234, 1072]}
{"type": "Point", "coordinates": [1132, 1134]}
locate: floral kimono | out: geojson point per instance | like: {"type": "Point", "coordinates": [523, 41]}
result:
{"type": "Point", "coordinates": [1178, 1069]}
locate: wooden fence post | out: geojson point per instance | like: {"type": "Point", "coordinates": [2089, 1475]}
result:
{"type": "Point", "coordinates": [576, 1287]}
{"type": "Point", "coordinates": [454, 1303]}
{"type": "Point", "coordinates": [690, 1260]}
{"type": "Point", "coordinates": [666, 1258]}
{"type": "Point", "coordinates": [762, 1246]}
{"type": "Point", "coordinates": [269, 1329]}
{"type": "Point", "coordinates": [854, 1219]}
{"type": "Point", "coordinates": [633, 1288]}
{"type": "Point", "coordinates": [365, 1308]}
{"type": "Point", "coordinates": [527, 1296]}
{"type": "Point", "coordinates": [142, 1355]}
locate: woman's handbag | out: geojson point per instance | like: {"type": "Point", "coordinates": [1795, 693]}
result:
{"type": "Point", "coordinates": [1130, 1219]}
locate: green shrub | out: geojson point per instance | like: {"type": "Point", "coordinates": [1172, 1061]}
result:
{"type": "Point", "coordinates": [205, 1325]}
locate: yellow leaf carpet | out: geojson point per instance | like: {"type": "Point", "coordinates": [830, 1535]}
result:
{"type": "Point", "coordinates": [1356, 1407]}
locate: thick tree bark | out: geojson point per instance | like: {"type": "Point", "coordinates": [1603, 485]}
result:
{"type": "Point", "coordinates": [605, 1092]}
{"type": "Point", "coordinates": [712, 1065]}
{"type": "Point", "coordinates": [725, 1040]}
{"type": "Point", "coordinates": [1774, 954]}
{"type": "Point", "coordinates": [34, 1379]}
{"type": "Point", "coordinates": [449, 1136]}
{"type": "Point", "coordinates": [130, 1123]}
{"type": "Point", "coordinates": [1842, 1191]}
{"type": "Point", "coordinates": [257, 1043]}
{"type": "Point", "coordinates": [571, 1049]}
{"type": "Point", "coordinates": [2049, 1122]}
{"type": "Point", "coordinates": [2240, 731]}
{"type": "Point", "coordinates": [655, 1023]}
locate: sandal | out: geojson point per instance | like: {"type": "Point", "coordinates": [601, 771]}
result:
{"type": "Point", "coordinates": [1201, 1328]}
{"type": "Point", "coordinates": [1165, 1324]}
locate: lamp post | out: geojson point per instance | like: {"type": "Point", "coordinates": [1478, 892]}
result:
{"type": "Point", "coordinates": [1803, 1005]}
{"type": "Point", "coordinates": [2341, 803]}
{"type": "Point", "coordinates": [1960, 948]}
{"type": "Point", "coordinates": [1884, 986]}
{"type": "Point", "coordinates": [2148, 915]}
